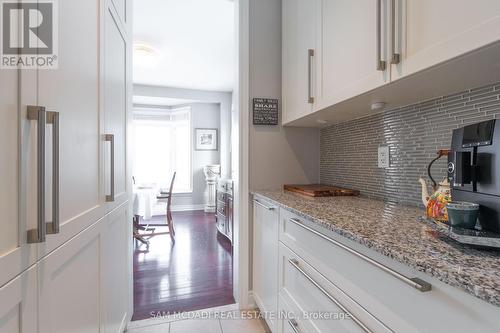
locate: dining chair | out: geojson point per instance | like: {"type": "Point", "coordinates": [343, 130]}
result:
{"type": "Point", "coordinates": [169, 219]}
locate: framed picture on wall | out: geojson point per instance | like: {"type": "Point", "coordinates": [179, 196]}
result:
{"type": "Point", "coordinates": [206, 138]}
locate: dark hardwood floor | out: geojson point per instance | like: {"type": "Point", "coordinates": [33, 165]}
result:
{"type": "Point", "coordinates": [195, 273]}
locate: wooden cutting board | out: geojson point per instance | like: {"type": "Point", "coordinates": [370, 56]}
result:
{"type": "Point", "coordinates": [320, 190]}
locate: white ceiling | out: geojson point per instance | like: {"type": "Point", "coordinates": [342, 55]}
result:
{"type": "Point", "coordinates": [194, 43]}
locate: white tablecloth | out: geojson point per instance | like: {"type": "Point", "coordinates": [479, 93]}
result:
{"type": "Point", "coordinates": [144, 200]}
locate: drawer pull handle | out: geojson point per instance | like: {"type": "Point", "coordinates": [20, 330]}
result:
{"type": "Point", "coordinates": [264, 206]}
{"type": "Point", "coordinates": [294, 325]}
{"type": "Point", "coordinates": [416, 283]}
{"type": "Point", "coordinates": [295, 264]}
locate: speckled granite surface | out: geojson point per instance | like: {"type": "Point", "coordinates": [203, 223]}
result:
{"type": "Point", "coordinates": [397, 232]}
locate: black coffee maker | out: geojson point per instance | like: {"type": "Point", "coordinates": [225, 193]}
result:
{"type": "Point", "coordinates": [474, 170]}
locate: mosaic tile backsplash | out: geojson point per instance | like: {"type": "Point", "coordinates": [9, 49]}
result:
{"type": "Point", "coordinates": [414, 133]}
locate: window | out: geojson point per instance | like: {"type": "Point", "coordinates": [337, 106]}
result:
{"type": "Point", "coordinates": [162, 146]}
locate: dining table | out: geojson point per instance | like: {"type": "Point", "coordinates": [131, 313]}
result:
{"type": "Point", "coordinates": [145, 198]}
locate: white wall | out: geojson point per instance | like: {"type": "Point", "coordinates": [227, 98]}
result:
{"type": "Point", "coordinates": [277, 155]}
{"type": "Point", "coordinates": [203, 115]}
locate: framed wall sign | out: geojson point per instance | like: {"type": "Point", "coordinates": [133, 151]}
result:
{"type": "Point", "coordinates": [206, 139]}
{"type": "Point", "coordinates": [265, 111]}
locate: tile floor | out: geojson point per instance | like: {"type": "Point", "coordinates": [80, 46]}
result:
{"type": "Point", "coordinates": [206, 326]}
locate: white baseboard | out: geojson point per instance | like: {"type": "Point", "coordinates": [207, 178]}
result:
{"type": "Point", "coordinates": [252, 304]}
{"type": "Point", "coordinates": [184, 208]}
{"type": "Point", "coordinates": [161, 209]}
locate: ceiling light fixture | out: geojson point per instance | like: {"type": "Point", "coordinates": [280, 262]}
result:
{"type": "Point", "coordinates": [145, 55]}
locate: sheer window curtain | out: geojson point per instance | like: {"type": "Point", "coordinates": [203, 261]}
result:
{"type": "Point", "coordinates": [162, 146]}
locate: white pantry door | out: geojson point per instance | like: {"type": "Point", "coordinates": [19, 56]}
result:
{"type": "Point", "coordinates": [16, 139]}
{"type": "Point", "coordinates": [72, 91]}
{"type": "Point", "coordinates": [18, 306]}
{"type": "Point", "coordinates": [69, 286]}
{"type": "Point", "coordinates": [115, 108]}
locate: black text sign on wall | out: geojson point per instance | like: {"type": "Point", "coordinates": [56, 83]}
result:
{"type": "Point", "coordinates": [265, 111]}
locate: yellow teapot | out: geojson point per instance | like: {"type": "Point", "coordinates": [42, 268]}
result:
{"type": "Point", "coordinates": [435, 203]}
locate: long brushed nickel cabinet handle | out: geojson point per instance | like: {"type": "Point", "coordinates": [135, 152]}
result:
{"type": "Point", "coordinates": [396, 57]}
{"type": "Point", "coordinates": [416, 283]}
{"type": "Point", "coordinates": [111, 196]}
{"type": "Point", "coordinates": [53, 119]}
{"type": "Point", "coordinates": [295, 264]}
{"type": "Point", "coordinates": [264, 206]}
{"type": "Point", "coordinates": [38, 114]}
{"type": "Point", "coordinates": [310, 56]}
{"type": "Point", "coordinates": [381, 66]}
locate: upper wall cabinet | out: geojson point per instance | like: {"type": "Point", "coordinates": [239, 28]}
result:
{"type": "Point", "coordinates": [301, 45]}
{"type": "Point", "coordinates": [429, 32]}
{"type": "Point", "coordinates": [340, 56]}
{"type": "Point", "coordinates": [353, 49]}
{"type": "Point", "coordinates": [332, 50]}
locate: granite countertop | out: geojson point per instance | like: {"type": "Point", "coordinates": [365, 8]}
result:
{"type": "Point", "coordinates": [397, 232]}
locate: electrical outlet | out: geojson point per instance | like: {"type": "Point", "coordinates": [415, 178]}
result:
{"type": "Point", "coordinates": [384, 159]}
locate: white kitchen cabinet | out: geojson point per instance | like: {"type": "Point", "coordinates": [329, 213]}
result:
{"type": "Point", "coordinates": [301, 24]}
{"type": "Point", "coordinates": [9, 165]}
{"type": "Point", "coordinates": [265, 258]}
{"type": "Point", "coordinates": [425, 39]}
{"type": "Point", "coordinates": [384, 291]}
{"type": "Point", "coordinates": [72, 91]}
{"type": "Point", "coordinates": [310, 293]}
{"type": "Point", "coordinates": [77, 278]}
{"type": "Point", "coordinates": [69, 285]}
{"type": "Point", "coordinates": [363, 48]}
{"type": "Point", "coordinates": [349, 56]}
{"type": "Point", "coordinates": [115, 108]}
{"type": "Point", "coordinates": [331, 52]}
{"type": "Point", "coordinates": [15, 253]}
{"type": "Point", "coordinates": [115, 238]}
{"type": "Point", "coordinates": [18, 305]}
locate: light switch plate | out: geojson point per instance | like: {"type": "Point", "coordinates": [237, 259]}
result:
{"type": "Point", "coordinates": [384, 157]}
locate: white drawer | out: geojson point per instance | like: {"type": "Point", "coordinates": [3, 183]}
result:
{"type": "Point", "coordinates": [318, 305]}
{"type": "Point", "coordinates": [381, 289]}
{"type": "Point", "coordinates": [289, 321]}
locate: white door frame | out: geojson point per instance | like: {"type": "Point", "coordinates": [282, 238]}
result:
{"type": "Point", "coordinates": [241, 259]}
{"type": "Point", "coordinates": [240, 163]}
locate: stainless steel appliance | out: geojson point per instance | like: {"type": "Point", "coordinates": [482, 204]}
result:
{"type": "Point", "coordinates": [474, 170]}
{"type": "Point", "coordinates": [224, 212]}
